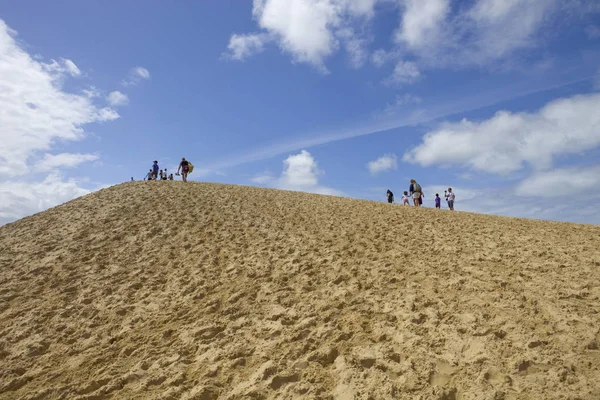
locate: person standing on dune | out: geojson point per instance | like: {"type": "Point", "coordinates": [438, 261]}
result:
{"type": "Point", "coordinates": [148, 176]}
{"type": "Point", "coordinates": [390, 196]}
{"type": "Point", "coordinates": [155, 170]}
{"type": "Point", "coordinates": [415, 192]}
{"type": "Point", "coordinates": [450, 199]}
{"type": "Point", "coordinates": [184, 166]}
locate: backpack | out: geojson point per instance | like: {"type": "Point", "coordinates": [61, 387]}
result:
{"type": "Point", "coordinates": [417, 188]}
{"type": "Point", "coordinates": [190, 167]}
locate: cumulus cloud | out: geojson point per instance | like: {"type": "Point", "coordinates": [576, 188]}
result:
{"type": "Point", "coordinates": [117, 98]}
{"type": "Point", "coordinates": [387, 162]}
{"type": "Point", "coordinates": [502, 201]}
{"type": "Point", "coordinates": [300, 170]}
{"type": "Point", "coordinates": [562, 182]}
{"type": "Point", "coordinates": [508, 141]}
{"type": "Point", "coordinates": [487, 31]}
{"type": "Point", "coordinates": [60, 67]}
{"type": "Point", "coordinates": [309, 30]}
{"type": "Point", "coordinates": [36, 114]}
{"type": "Point", "coordinates": [301, 173]}
{"type": "Point", "coordinates": [72, 68]}
{"type": "Point", "coordinates": [405, 72]}
{"type": "Point", "coordinates": [435, 33]}
{"type": "Point", "coordinates": [92, 92]}
{"type": "Point", "coordinates": [51, 162]}
{"type": "Point", "coordinates": [243, 46]}
{"type": "Point", "coordinates": [422, 21]}
{"type": "Point", "coordinates": [136, 75]}
{"type": "Point", "coordinates": [19, 199]}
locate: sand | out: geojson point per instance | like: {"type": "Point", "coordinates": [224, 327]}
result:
{"type": "Point", "coordinates": [160, 290]}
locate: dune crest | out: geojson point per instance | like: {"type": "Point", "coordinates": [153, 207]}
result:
{"type": "Point", "coordinates": [160, 290]}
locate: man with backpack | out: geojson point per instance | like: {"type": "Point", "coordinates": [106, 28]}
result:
{"type": "Point", "coordinates": [185, 167]}
{"type": "Point", "coordinates": [416, 192]}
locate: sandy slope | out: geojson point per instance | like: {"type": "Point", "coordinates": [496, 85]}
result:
{"type": "Point", "coordinates": [159, 290]}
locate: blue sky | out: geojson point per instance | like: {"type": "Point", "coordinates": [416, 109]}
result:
{"type": "Point", "coordinates": [497, 98]}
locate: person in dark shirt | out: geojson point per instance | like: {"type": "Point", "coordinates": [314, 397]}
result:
{"type": "Point", "coordinates": [184, 166]}
{"type": "Point", "coordinates": [390, 196]}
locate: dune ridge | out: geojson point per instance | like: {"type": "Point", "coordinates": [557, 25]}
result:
{"type": "Point", "coordinates": [160, 290]}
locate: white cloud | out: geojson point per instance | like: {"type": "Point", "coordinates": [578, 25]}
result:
{"type": "Point", "coordinates": [36, 114]}
{"type": "Point", "coordinates": [488, 31]}
{"type": "Point", "coordinates": [106, 114]}
{"type": "Point", "coordinates": [141, 72]}
{"type": "Point", "coordinates": [310, 30]}
{"type": "Point", "coordinates": [435, 33]}
{"type": "Point", "coordinates": [502, 26]}
{"type": "Point", "coordinates": [405, 72]}
{"type": "Point", "coordinates": [92, 92]}
{"type": "Point", "coordinates": [136, 75]}
{"type": "Point", "coordinates": [243, 46]}
{"type": "Point", "coordinates": [72, 68]}
{"type": "Point", "coordinates": [387, 162]}
{"type": "Point", "coordinates": [380, 57]}
{"type": "Point", "coordinates": [263, 179]}
{"type": "Point", "coordinates": [300, 170]}
{"type": "Point", "coordinates": [506, 142]}
{"type": "Point", "coordinates": [355, 45]}
{"type": "Point", "coordinates": [422, 21]}
{"type": "Point", "coordinates": [117, 98]}
{"type": "Point", "coordinates": [503, 201]}
{"type": "Point", "coordinates": [51, 162]}
{"type": "Point", "coordinates": [60, 67]}
{"type": "Point", "coordinates": [300, 173]}
{"type": "Point", "coordinates": [19, 199]}
{"type": "Point", "coordinates": [573, 182]}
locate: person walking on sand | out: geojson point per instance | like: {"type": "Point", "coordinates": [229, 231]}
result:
{"type": "Point", "coordinates": [155, 170]}
{"type": "Point", "coordinates": [450, 198]}
{"type": "Point", "coordinates": [415, 192]}
{"type": "Point", "coordinates": [184, 166]}
{"type": "Point", "coordinates": [405, 199]}
{"type": "Point", "coordinates": [148, 176]}
{"type": "Point", "coordinates": [390, 196]}
{"type": "Point", "coordinates": [161, 174]}
{"type": "Point", "coordinates": [165, 176]}
{"type": "Point", "coordinates": [438, 201]}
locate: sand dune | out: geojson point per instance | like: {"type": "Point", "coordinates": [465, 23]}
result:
{"type": "Point", "coordinates": [160, 290]}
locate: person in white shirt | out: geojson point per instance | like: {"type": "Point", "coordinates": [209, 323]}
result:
{"type": "Point", "coordinates": [405, 199]}
{"type": "Point", "coordinates": [449, 198]}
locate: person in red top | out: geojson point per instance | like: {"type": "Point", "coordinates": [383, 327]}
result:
{"type": "Point", "coordinates": [184, 166]}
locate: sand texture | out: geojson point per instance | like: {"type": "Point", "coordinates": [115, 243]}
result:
{"type": "Point", "coordinates": [160, 290]}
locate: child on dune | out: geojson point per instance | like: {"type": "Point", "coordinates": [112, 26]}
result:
{"type": "Point", "coordinates": [405, 199]}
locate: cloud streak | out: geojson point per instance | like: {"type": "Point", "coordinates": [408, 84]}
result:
{"type": "Point", "coordinates": [399, 120]}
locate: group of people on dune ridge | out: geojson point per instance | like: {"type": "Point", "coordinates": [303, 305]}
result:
{"type": "Point", "coordinates": [155, 173]}
{"type": "Point", "coordinates": [415, 192]}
